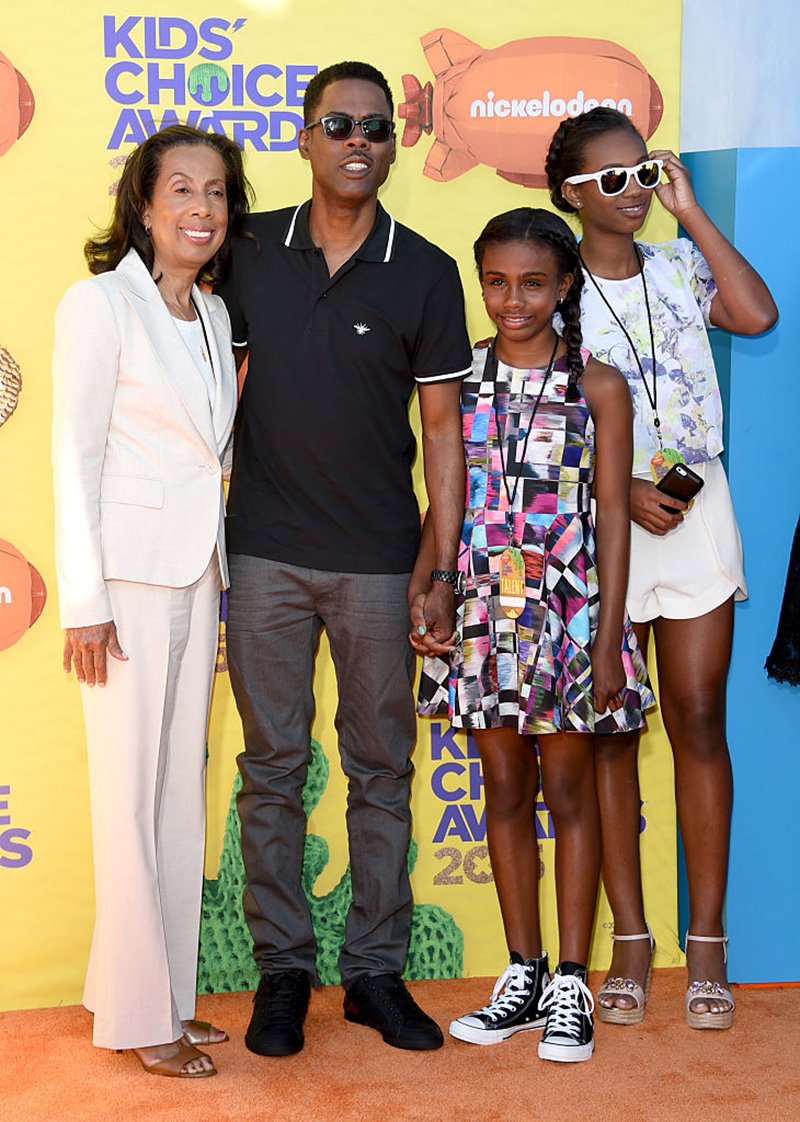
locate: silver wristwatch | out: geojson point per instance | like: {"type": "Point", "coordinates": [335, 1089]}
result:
{"type": "Point", "coordinates": [450, 576]}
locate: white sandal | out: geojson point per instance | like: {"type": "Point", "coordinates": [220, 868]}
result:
{"type": "Point", "coordinates": [709, 991]}
{"type": "Point", "coordinates": [629, 987]}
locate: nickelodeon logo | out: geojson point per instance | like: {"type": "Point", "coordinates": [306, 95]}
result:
{"type": "Point", "coordinates": [544, 106]}
{"type": "Point", "coordinates": [22, 595]}
{"type": "Point", "coordinates": [500, 107]}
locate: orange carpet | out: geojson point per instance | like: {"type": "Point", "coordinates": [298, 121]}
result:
{"type": "Point", "coordinates": [660, 1071]}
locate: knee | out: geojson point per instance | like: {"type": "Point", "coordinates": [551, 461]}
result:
{"type": "Point", "coordinates": [696, 726]}
{"type": "Point", "coordinates": [380, 787]}
{"type": "Point", "coordinates": [567, 797]}
{"type": "Point", "coordinates": [507, 803]}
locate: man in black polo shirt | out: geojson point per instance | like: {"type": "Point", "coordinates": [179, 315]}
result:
{"type": "Point", "coordinates": [341, 311]}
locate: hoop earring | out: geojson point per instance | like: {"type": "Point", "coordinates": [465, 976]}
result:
{"type": "Point", "coordinates": [148, 230]}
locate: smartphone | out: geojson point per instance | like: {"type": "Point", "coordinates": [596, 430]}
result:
{"type": "Point", "coordinates": [680, 482]}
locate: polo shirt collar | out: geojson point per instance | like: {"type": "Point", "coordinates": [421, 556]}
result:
{"type": "Point", "coordinates": [378, 246]}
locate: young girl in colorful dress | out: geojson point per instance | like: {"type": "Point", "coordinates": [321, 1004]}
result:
{"type": "Point", "coordinates": [645, 309]}
{"type": "Point", "coordinates": [541, 651]}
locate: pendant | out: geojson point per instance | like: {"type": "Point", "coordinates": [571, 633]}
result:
{"type": "Point", "coordinates": [662, 461]}
{"type": "Point", "coordinates": [512, 582]}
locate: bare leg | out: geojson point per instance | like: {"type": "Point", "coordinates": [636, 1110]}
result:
{"type": "Point", "coordinates": [568, 785]}
{"type": "Point", "coordinates": [618, 794]}
{"type": "Point", "coordinates": [511, 779]}
{"type": "Point", "coordinates": [693, 660]}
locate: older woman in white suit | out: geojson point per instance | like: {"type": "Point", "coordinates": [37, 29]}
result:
{"type": "Point", "coordinates": [144, 398]}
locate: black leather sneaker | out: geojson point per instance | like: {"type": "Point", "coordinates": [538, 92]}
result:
{"type": "Point", "coordinates": [383, 1002]}
{"type": "Point", "coordinates": [280, 1005]}
{"type": "Point", "coordinates": [513, 1007]}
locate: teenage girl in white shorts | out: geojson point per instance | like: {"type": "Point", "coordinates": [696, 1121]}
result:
{"type": "Point", "coordinates": [645, 310]}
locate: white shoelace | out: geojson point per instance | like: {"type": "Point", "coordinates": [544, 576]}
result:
{"type": "Point", "coordinates": [514, 984]}
{"type": "Point", "coordinates": [570, 999]}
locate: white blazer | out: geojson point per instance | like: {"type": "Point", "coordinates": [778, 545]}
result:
{"type": "Point", "coordinates": [137, 453]}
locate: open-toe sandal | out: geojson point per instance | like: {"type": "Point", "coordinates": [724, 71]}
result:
{"type": "Point", "coordinates": [626, 987]}
{"type": "Point", "coordinates": [172, 1066]}
{"type": "Point", "coordinates": [709, 991]}
{"type": "Point", "coordinates": [199, 1032]}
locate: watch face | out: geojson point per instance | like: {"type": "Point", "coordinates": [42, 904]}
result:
{"type": "Point", "coordinates": [461, 583]}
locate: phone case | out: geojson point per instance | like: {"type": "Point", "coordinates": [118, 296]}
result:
{"type": "Point", "coordinates": [680, 482]}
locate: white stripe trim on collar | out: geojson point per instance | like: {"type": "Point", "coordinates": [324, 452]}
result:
{"type": "Point", "coordinates": [292, 224]}
{"type": "Point", "coordinates": [390, 242]}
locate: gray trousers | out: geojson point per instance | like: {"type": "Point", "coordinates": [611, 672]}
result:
{"type": "Point", "coordinates": [275, 615]}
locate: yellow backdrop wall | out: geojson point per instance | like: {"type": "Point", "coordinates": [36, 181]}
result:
{"type": "Point", "coordinates": [79, 84]}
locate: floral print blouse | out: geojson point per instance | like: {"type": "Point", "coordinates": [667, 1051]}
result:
{"type": "Point", "coordinates": [680, 289]}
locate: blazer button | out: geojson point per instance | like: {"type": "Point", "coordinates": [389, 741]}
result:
{"type": "Point", "coordinates": [212, 469]}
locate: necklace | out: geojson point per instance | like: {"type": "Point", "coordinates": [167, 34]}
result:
{"type": "Point", "coordinates": [205, 351]}
{"type": "Point", "coordinates": [652, 395]}
{"type": "Point", "coordinates": [177, 310]}
{"type": "Point", "coordinates": [511, 561]}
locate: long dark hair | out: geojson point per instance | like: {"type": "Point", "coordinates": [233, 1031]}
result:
{"type": "Point", "coordinates": [529, 224]}
{"type": "Point", "coordinates": [135, 191]}
{"type": "Point", "coordinates": [565, 154]}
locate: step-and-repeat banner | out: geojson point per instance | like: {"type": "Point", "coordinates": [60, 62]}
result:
{"type": "Point", "coordinates": [479, 94]}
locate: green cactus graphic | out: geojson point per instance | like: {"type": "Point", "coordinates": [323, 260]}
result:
{"type": "Point", "coordinates": [226, 964]}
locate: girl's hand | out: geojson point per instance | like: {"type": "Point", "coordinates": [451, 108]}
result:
{"type": "Point", "coordinates": [420, 638]}
{"type": "Point", "coordinates": [647, 510]}
{"type": "Point", "coordinates": [677, 194]}
{"type": "Point", "coordinates": [608, 675]}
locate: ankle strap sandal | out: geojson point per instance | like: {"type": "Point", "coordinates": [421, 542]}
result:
{"type": "Point", "coordinates": [706, 991]}
{"type": "Point", "coordinates": [626, 987]}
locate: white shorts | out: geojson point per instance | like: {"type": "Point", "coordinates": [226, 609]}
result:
{"type": "Point", "coordinates": [694, 568]}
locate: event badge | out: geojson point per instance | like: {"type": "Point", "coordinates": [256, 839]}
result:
{"type": "Point", "coordinates": [662, 461]}
{"type": "Point", "coordinates": [512, 582]}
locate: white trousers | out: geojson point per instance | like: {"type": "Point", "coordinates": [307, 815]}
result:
{"type": "Point", "coordinates": [146, 733]}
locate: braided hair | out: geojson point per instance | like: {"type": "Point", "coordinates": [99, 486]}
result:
{"type": "Point", "coordinates": [528, 224]}
{"type": "Point", "coordinates": [565, 154]}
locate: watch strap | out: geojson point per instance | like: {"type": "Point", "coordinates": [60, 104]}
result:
{"type": "Point", "coordinates": [449, 576]}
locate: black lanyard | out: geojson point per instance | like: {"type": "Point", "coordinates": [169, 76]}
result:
{"type": "Point", "coordinates": [490, 371]}
{"type": "Point", "coordinates": [652, 395]}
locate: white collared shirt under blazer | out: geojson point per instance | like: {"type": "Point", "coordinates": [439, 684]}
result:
{"type": "Point", "coordinates": [138, 455]}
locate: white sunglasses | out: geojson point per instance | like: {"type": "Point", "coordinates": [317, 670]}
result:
{"type": "Point", "coordinates": [613, 181]}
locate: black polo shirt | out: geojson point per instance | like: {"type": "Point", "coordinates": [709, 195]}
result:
{"type": "Point", "coordinates": [323, 446]}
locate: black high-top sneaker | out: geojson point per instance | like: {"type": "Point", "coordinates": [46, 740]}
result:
{"type": "Point", "coordinates": [569, 1032]}
{"type": "Point", "coordinates": [514, 1005]}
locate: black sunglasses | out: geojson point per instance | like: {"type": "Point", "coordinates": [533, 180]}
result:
{"type": "Point", "coordinates": [339, 126]}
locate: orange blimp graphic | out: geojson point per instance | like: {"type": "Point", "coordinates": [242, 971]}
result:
{"type": "Point", "coordinates": [500, 107]}
{"type": "Point", "coordinates": [16, 104]}
{"type": "Point", "coordinates": [22, 595]}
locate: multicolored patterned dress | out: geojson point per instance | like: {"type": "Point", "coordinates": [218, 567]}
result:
{"type": "Point", "coordinates": [533, 673]}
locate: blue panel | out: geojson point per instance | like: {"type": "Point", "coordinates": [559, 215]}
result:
{"type": "Point", "coordinates": [763, 910]}
{"type": "Point", "coordinates": [714, 177]}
